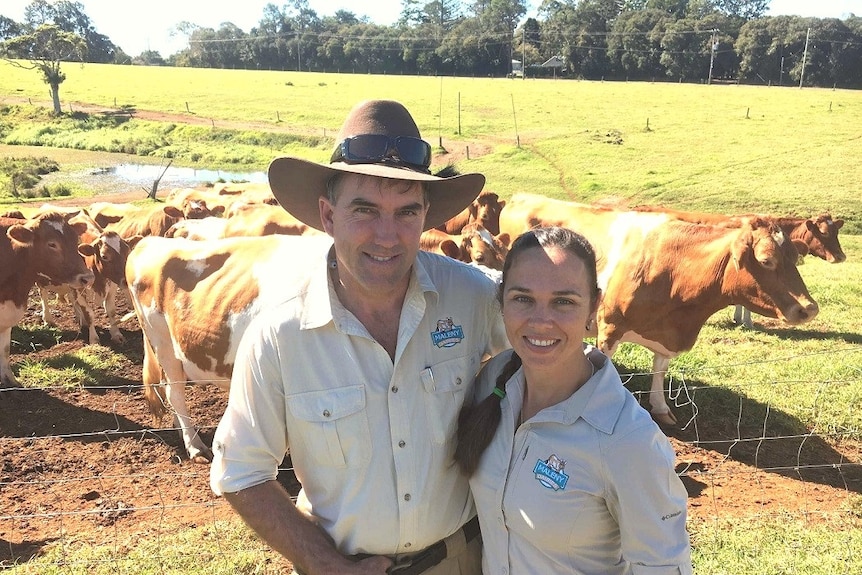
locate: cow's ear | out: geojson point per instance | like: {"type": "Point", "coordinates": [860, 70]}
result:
{"type": "Point", "coordinates": [173, 211]}
{"type": "Point", "coordinates": [80, 228]}
{"type": "Point", "coordinates": [87, 249]}
{"type": "Point", "coordinates": [20, 234]}
{"type": "Point", "coordinates": [133, 241]}
{"type": "Point", "coordinates": [504, 238]}
{"type": "Point", "coordinates": [741, 246]}
{"type": "Point", "coordinates": [218, 211]}
{"type": "Point", "coordinates": [451, 249]}
{"type": "Point", "coordinates": [501, 203]}
{"type": "Point", "coordinates": [838, 224]}
{"type": "Point", "coordinates": [801, 247]}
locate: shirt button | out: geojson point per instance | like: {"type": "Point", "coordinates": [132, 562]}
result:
{"type": "Point", "coordinates": [326, 413]}
{"type": "Point", "coordinates": [407, 497]}
{"type": "Point", "coordinates": [407, 545]}
{"type": "Point", "coordinates": [402, 443]}
{"type": "Point", "coordinates": [457, 381]}
{"type": "Point", "coordinates": [394, 389]}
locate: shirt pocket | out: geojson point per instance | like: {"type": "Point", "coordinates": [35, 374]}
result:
{"type": "Point", "coordinates": [446, 384]}
{"type": "Point", "coordinates": [333, 425]}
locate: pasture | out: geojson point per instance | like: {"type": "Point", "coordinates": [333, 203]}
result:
{"type": "Point", "coordinates": [770, 437]}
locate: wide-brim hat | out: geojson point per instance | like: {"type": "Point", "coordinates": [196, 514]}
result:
{"type": "Point", "coordinates": [297, 184]}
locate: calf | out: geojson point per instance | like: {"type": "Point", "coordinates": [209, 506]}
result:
{"type": "Point", "coordinates": [44, 246]}
{"type": "Point", "coordinates": [473, 244]}
{"type": "Point", "coordinates": [485, 210]}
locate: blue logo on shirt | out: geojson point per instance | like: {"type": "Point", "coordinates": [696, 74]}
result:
{"type": "Point", "coordinates": [550, 473]}
{"type": "Point", "coordinates": [447, 334]}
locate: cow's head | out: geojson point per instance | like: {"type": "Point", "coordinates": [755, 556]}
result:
{"type": "Point", "coordinates": [480, 246]}
{"type": "Point", "coordinates": [107, 255]}
{"type": "Point", "coordinates": [485, 210]}
{"type": "Point", "coordinates": [822, 238]}
{"type": "Point", "coordinates": [52, 244]}
{"type": "Point", "coordinates": [766, 278]}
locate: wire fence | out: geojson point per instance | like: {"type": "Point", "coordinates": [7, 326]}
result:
{"type": "Point", "coordinates": [108, 494]}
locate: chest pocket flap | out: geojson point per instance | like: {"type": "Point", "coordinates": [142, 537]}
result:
{"type": "Point", "coordinates": [333, 425]}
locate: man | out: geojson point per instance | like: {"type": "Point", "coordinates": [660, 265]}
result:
{"type": "Point", "coordinates": [362, 370]}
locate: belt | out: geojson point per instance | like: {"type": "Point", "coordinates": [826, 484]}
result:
{"type": "Point", "coordinates": [429, 557]}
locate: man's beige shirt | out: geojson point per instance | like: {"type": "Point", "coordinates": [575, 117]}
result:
{"type": "Point", "coordinates": [371, 441]}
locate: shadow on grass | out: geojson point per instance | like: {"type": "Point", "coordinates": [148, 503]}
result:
{"type": "Point", "coordinates": [12, 554]}
{"type": "Point", "coordinates": [753, 433]}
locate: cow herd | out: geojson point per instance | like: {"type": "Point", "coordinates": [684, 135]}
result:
{"type": "Point", "coordinates": [200, 265]}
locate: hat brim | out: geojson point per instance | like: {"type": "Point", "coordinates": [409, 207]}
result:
{"type": "Point", "coordinates": [298, 184]}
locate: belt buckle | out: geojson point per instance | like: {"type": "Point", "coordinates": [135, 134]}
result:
{"type": "Point", "coordinates": [400, 564]}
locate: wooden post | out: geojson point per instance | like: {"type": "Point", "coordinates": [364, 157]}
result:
{"type": "Point", "coordinates": [747, 110]}
{"type": "Point", "coordinates": [187, 108]}
{"type": "Point", "coordinates": [468, 152]}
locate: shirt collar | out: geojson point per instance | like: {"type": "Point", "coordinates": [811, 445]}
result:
{"type": "Point", "coordinates": [320, 299]}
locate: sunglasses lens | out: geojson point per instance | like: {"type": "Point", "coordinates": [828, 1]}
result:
{"type": "Point", "coordinates": [414, 151]}
{"type": "Point", "coordinates": [366, 147]}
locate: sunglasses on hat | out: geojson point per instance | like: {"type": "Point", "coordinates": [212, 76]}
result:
{"type": "Point", "coordinates": [379, 148]}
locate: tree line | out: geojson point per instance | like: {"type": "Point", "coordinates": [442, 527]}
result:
{"type": "Point", "coordinates": [672, 40]}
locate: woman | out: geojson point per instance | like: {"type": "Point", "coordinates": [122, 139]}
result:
{"type": "Point", "coordinates": [569, 473]}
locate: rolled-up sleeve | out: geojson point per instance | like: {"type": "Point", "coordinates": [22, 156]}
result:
{"type": "Point", "coordinates": [251, 439]}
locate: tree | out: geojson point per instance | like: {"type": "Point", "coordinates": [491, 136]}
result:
{"type": "Point", "coordinates": [9, 28]}
{"type": "Point", "coordinates": [45, 49]}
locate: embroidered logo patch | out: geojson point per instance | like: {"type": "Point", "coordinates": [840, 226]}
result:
{"type": "Point", "coordinates": [447, 334]}
{"type": "Point", "coordinates": [550, 473]}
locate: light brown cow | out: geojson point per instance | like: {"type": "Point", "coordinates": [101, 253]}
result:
{"type": "Point", "coordinates": [45, 246]}
{"type": "Point", "coordinates": [485, 210]}
{"type": "Point", "coordinates": [151, 220]}
{"type": "Point", "coordinates": [473, 244]}
{"type": "Point", "coordinates": [819, 234]}
{"type": "Point", "coordinates": [194, 300]}
{"type": "Point", "coordinates": [663, 278]}
{"type": "Point", "coordinates": [105, 254]}
{"type": "Point", "coordinates": [264, 219]}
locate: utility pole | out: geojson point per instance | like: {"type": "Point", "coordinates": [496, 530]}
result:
{"type": "Point", "coordinates": [524, 51]}
{"type": "Point", "coordinates": [804, 56]}
{"type": "Point", "coordinates": [711, 56]}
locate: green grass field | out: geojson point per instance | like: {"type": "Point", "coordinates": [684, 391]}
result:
{"type": "Point", "coordinates": [713, 148]}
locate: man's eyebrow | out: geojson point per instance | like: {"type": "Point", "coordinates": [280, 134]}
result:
{"type": "Point", "coordinates": [363, 203]}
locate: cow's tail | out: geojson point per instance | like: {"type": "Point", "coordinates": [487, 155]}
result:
{"type": "Point", "coordinates": [154, 391]}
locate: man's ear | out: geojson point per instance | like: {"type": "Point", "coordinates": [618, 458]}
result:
{"type": "Point", "coordinates": [326, 212]}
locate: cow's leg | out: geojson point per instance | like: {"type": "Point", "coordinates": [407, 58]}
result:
{"type": "Point", "coordinates": [742, 316]}
{"type": "Point", "coordinates": [7, 378]}
{"type": "Point", "coordinates": [86, 316]}
{"type": "Point", "coordinates": [47, 314]}
{"type": "Point", "coordinates": [109, 302]}
{"type": "Point", "coordinates": [197, 450]}
{"type": "Point", "coordinates": [659, 408]}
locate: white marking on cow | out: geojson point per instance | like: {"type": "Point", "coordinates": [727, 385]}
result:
{"type": "Point", "coordinates": [617, 234]}
{"type": "Point", "coordinates": [486, 237]}
{"type": "Point", "coordinates": [112, 242]}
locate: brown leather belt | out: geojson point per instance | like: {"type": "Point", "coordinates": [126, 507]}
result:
{"type": "Point", "coordinates": [429, 557]}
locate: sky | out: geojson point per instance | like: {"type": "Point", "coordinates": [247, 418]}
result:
{"type": "Point", "coordinates": [139, 26]}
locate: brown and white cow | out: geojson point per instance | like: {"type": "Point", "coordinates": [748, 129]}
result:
{"type": "Point", "coordinates": [258, 219]}
{"type": "Point", "coordinates": [485, 210]}
{"type": "Point", "coordinates": [820, 235]}
{"type": "Point", "coordinates": [153, 220]}
{"type": "Point", "coordinates": [663, 278]}
{"type": "Point", "coordinates": [194, 300]}
{"type": "Point", "coordinates": [473, 244]}
{"type": "Point", "coordinates": [105, 254]}
{"type": "Point", "coordinates": [44, 246]}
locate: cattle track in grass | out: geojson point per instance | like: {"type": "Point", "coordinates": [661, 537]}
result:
{"type": "Point", "coordinates": [86, 465]}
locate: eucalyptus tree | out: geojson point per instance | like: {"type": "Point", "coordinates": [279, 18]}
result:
{"type": "Point", "coordinates": [635, 42]}
{"type": "Point", "coordinates": [45, 49]}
